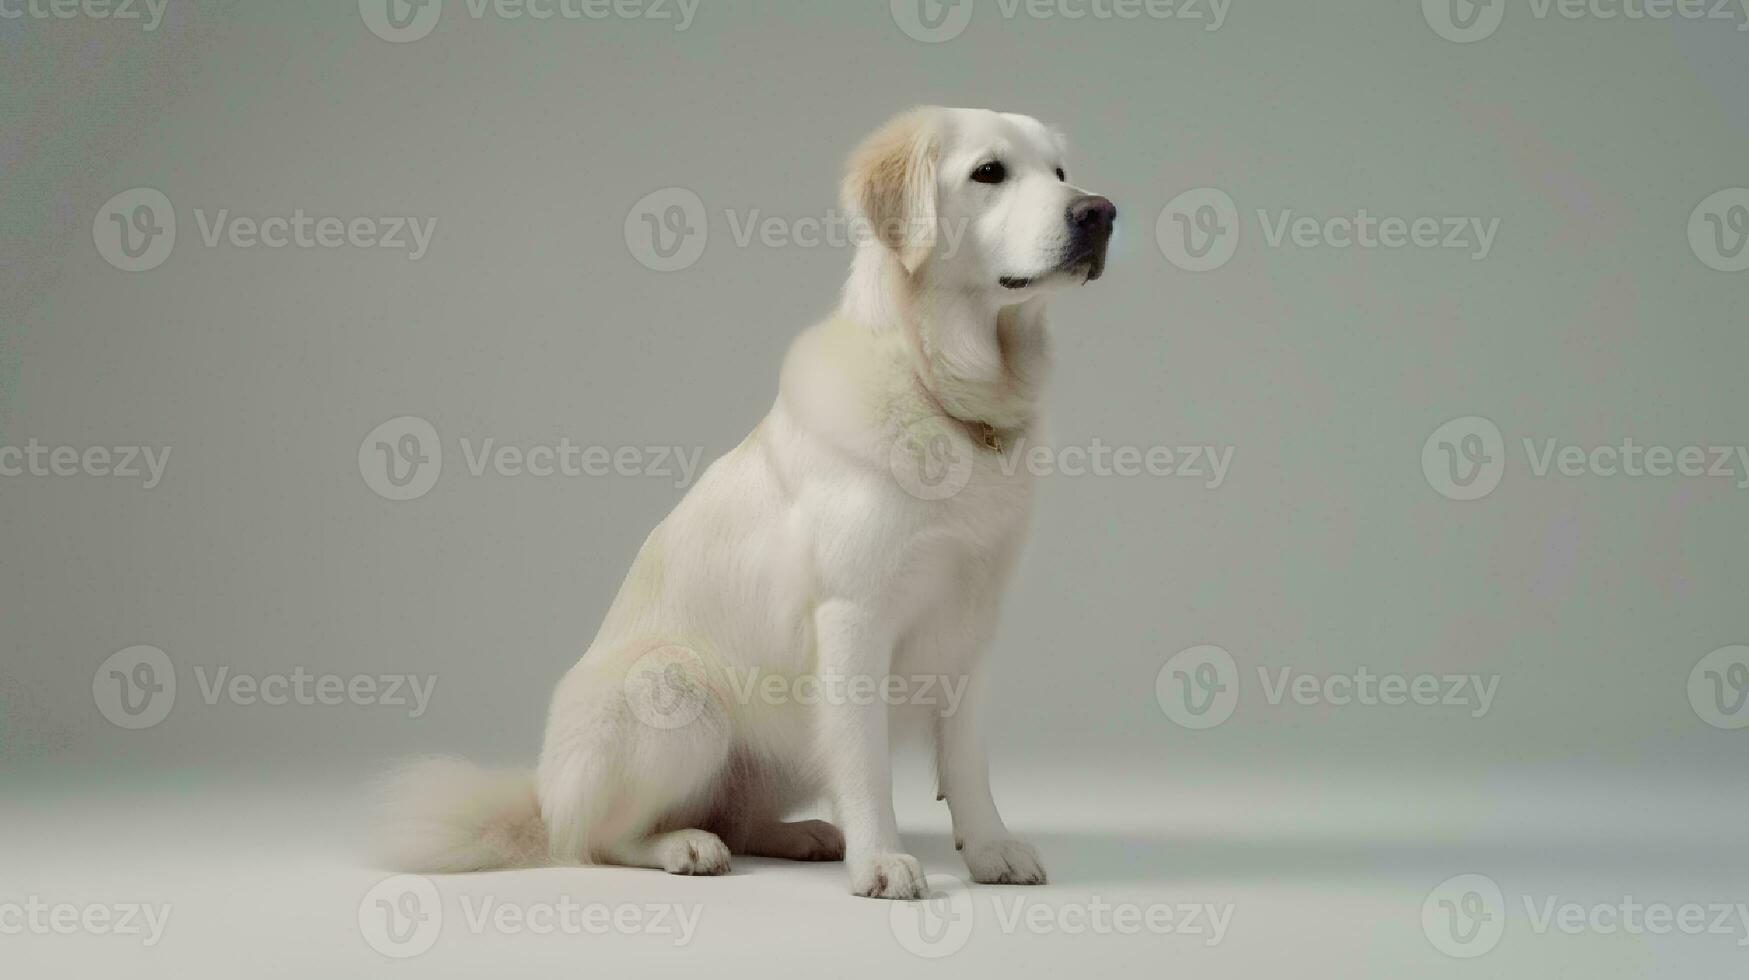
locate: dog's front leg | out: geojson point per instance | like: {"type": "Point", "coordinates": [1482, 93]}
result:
{"type": "Point", "coordinates": [993, 856]}
{"type": "Point", "coordinates": [853, 647]}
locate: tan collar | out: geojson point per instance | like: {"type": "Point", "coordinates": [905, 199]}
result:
{"type": "Point", "coordinates": [981, 432]}
{"type": "Point", "coordinates": [985, 434]}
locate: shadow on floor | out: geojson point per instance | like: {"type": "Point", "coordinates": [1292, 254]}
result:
{"type": "Point", "coordinates": [1093, 857]}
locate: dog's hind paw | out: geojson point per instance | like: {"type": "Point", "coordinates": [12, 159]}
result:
{"type": "Point", "coordinates": [694, 852]}
{"type": "Point", "coordinates": [802, 840]}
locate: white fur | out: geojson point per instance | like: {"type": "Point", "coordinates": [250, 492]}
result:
{"type": "Point", "coordinates": [802, 554]}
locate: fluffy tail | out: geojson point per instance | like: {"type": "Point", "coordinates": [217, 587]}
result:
{"type": "Point", "coordinates": [443, 814]}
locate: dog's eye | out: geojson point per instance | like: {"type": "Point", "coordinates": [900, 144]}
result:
{"type": "Point", "coordinates": [1060, 175]}
{"type": "Point", "coordinates": [991, 173]}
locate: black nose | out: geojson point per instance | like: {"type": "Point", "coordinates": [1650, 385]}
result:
{"type": "Point", "coordinates": [1092, 213]}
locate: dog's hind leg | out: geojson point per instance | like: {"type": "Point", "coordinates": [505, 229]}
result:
{"type": "Point", "coordinates": [678, 852]}
{"type": "Point", "coordinates": [625, 778]}
{"type": "Point", "coordinates": [753, 796]}
{"type": "Point", "coordinates": [797, 840]}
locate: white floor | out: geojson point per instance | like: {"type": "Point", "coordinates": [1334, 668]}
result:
{"type": "Point", "coordinates": [1184, 875]}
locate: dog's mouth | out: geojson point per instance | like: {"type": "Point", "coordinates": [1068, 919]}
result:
{"type": "Point", "coordinates": [1086, 261]}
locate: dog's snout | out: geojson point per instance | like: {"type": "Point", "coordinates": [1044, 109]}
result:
{"type": "Point", "coordinates": [1092, 213]}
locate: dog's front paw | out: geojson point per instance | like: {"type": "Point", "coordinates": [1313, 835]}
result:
{"type": "Point", "coordinates": [888, 876]}
{"type": "Point", "coordinates": [1004, 862]}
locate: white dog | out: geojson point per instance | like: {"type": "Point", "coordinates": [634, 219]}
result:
{"type": "Point", "coordinates": [862, 533]}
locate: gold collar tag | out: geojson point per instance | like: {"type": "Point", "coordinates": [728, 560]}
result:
{"type": "Point", "coordinates": [991, 438]}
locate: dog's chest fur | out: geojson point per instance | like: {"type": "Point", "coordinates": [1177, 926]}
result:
{"type": "Point", "coordinates": [905, 500]}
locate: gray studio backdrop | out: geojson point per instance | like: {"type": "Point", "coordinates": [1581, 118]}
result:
{"type": "Point", "coordinates": [592, 237]}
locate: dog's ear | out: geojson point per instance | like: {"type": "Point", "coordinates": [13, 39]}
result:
{"type": "Point", "coordinates": [891, 185]}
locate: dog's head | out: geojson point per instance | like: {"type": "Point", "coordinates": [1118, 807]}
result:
{"type": "Point", "coordinates": [977, 200]}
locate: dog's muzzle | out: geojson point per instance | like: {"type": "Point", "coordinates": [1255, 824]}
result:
{"type": "Point", "coordinates": [1090, 222]}
{"type": "Point", "coordinates": [1090, 218]}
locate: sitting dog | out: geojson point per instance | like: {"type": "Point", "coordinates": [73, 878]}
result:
{"type": "Point", "coordinates": [863, 532]}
